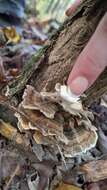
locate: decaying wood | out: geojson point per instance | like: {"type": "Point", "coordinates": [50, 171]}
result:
{"type": "Point", "coordinates": [63, 49]}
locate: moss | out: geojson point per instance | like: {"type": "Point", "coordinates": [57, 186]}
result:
{"type": "Point", "coordinates": [19, 83]}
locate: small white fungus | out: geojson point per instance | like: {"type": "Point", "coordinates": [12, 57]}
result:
{"type": "Point", "coordinates": [66, 94]}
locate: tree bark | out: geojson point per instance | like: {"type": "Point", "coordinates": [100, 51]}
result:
{"type": "Point", "coordinates": [55, 61]}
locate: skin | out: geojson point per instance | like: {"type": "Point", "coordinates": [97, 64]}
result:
{"type": "Point", "coordinates": [93, 59]}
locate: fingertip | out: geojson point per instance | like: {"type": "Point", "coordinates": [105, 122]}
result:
{"type": "Point", "coordinates": [72, 8]}
{"type": "Point", "coordinates": [92, 60]}
{"type": "Point", "coordinates": [78, 85]}
{"type": "Point", "coordinates": [68, 11]}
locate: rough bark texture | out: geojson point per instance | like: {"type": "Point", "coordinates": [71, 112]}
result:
{"type": "Point", "coordinates": [63, 49]}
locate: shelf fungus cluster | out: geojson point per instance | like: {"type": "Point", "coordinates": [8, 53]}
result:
{"type": "Point", "coordinates": [57, 119]}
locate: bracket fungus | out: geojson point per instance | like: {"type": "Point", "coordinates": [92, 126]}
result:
{"type": "Point", "coordinates": [57, 119]}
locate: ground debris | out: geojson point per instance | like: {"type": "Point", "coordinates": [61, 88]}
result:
{"type": "Point", "coordinates": [12, 166]}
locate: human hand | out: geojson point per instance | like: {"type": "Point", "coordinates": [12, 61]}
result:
{"type": "Point", "coordinates": [93, 59]}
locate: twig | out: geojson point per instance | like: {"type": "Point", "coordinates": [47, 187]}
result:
{"type": "Point", "coordinates": [12, 176]}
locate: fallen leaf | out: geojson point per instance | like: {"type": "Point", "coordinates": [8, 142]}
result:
{"type": "Point", "coordinates": [7, 130]}
{"type": "Point", "coordinates": [2, 72]}
{"type": "Point", "coordinates": [94, 171]}
{"type": "Point", "coordinates": [2, 38]}
{"type": "Point", "coordinates": [8, 162]}
{"type": "Point", "coordinates": [45, 171]}
{"type": "Point", "coordinates": [11, 133]}
{"type": "Point", "coordinates": [102, 141]}
{"type": "Point", "coordinates": [64, 186]}
{"type": "Point", "coordinates": [11, 35]}
{"type": "Point", "coordinates": [74, 177]}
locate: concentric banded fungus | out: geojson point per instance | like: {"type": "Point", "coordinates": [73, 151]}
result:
{"type": "Point", "coordinates": [49, 115]}
{"type": "Point", "coordinates": [34, 101]}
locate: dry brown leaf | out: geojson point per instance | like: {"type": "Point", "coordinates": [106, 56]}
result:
{"type": "Point", "coordinates": [9, 159]}
{"type": "Point", "coordinates": [64, 186]}
{"type": "Point", "coordinates": [45, 172]}
{"type": "Point", "coordinates": [102, 141]}
{"type": "Point", "coordinates": [7, 130]}
{"type": "Point", "coordinates": [2, 38]}
{"type": "Point", "coordinates": [11, 35]}
{"type": "Point", "coordinates": [94, 171]}
{"type": "Point", "coordinates": [5, 75]}
{"type": "Point", "coordinates": [2, 72]}
{"type": "Point", "coordinates": [11, 133]}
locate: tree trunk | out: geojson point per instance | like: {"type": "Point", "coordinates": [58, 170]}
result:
{"type": "Point", "coordinates": [55, 61]}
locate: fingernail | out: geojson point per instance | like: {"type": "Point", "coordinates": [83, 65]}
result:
{"type": "Point", "coordinates": [68, 12]}
{"type": "Point", "coordinates": [79, 85]}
